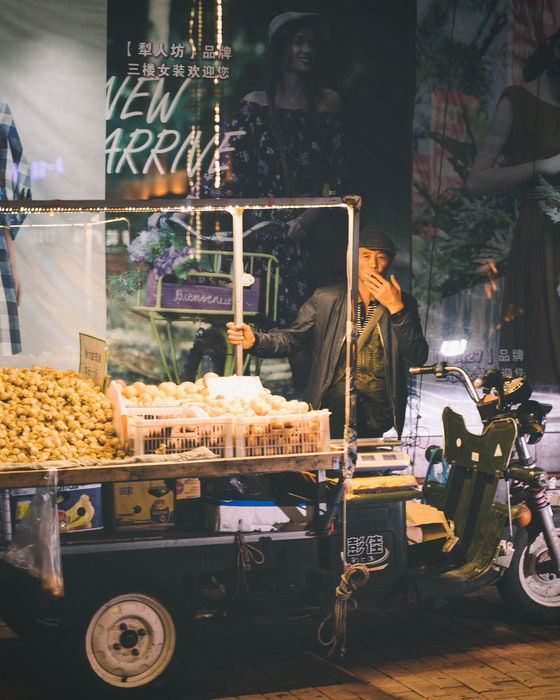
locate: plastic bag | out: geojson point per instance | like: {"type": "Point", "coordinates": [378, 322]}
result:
{"type": "Point", "coordinates": [438, 469]}
{"type": "Point", "coordinates": [433, 473]}
{"type": "Point", "coordinates": [36, 543]}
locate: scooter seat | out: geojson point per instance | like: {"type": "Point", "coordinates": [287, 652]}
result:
{"type": "Point", "coordinates": [477, 463]}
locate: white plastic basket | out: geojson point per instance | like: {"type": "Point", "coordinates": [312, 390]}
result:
{"type": "Point", "coordinates": [122, 412]}
{"type": "Point", "coordinates": [281, 435]}
{"type": "Point", "coordinates": [172, 435]}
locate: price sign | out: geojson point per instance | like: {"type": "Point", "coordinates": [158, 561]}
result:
{"type": "Point", "coordinates": [233, 387]}
{"type": "Point", "coordinates": [94, 354]}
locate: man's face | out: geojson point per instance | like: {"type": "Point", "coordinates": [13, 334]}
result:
{"type": "Point", "coordinates": [372, 261]}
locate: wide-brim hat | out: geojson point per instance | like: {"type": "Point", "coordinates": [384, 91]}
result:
{"type": "Point", "coordinates": [375, 239]}
{"type": "Point", "coordinates": [317, 20]}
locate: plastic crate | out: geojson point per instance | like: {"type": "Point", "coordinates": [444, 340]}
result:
{"type": "Point", "coordinates": [172, 435]}
{"type": "Point", "coordinates": [122, 412]}
{"type": "Point", "coordinates": [282, 435]}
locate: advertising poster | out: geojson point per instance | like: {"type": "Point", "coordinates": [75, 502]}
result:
{"type": "Point", "coordinates": [52, 126]}
{"type": "Point", "coordinates": [197, 107]}
{"type": "Point", "coordinates": [486, 256]}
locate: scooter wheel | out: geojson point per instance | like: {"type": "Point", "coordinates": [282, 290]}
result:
{"type": "Point", "coordinates": [529, 585]}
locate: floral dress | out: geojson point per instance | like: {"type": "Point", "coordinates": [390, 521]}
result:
{"type": "Point", "coordinates": [14, 184]}
{"type": "Point", "coordinates": [314, 151]}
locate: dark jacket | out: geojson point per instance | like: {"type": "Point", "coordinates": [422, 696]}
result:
{"type": "Point", "coordinates": [321, 322]}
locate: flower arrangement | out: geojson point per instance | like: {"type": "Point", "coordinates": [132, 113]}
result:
{"type": "Point", "coordinates": [164, 252]}
{"type": "Point", "coordinates": [549, 199]}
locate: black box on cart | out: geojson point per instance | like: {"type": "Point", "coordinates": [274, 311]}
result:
{"type": "Point", "coordinates": [376, 536]}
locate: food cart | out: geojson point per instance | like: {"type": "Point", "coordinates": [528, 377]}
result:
{"type": "Point", "coordinates": [116, 608]}
{"type": "Point", "coordinates": [125, 620]}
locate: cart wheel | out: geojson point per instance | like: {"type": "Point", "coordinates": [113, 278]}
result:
{"type": "Point", "coordinates": [127, 640]}
{"type": "Point", "coordinates": [208, 354]}
{"type": "Point", "coordinates": [529, 585]}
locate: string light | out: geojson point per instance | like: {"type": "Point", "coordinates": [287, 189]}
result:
{"type": "Point", "coordinates": [217, 89]}
{"type": "Point", "coordinates": [103, 222]}
{"type": "Point", "coordinates": [217, 145]}
{"type": "Point", "coordinates": [103, 206]}
{"type": "Point", "coordinates": [191, 32]}
{"type": "Point", "coordinates": [198, 102]}
{"type": "Point", "coordinates": [219, 24]}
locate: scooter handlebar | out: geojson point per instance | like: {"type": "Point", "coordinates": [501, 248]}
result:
{"type": "Point", "coordinates": [440, 369]}
{"type": "Point", "coordinates": [422, 370]}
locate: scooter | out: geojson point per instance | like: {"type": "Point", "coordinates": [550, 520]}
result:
{"type": "Point", "coordinates": [504, 528]}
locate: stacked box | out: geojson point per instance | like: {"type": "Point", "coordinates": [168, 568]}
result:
{"type": "Point", "coordinates": [79, 507]}
{"type": "Point", "coordinates": [144, 504]}
{"type": "Point", "coordinates": [255, 516]}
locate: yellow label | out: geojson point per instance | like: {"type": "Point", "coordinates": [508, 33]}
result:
{"type": "Point", "coordinates": [21, 509]}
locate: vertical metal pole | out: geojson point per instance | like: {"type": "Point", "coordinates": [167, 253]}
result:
{"type": "Point", "coordinates": [5, 516]}
{"type": "Point", "coordinates": [89, 273]}
{"type": "Point", "coordinates": [350, 435]}
{"type": "Point", "coordinates": [237, 215]}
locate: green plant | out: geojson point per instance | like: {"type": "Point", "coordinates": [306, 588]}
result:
{"type": "Point", "coordinates": [550, 199]}
{"type": "Point", "coordinates": [472, 236]}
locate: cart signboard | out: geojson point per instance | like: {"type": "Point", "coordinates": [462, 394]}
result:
{"type": "Point", "coordinates": [94, 355]}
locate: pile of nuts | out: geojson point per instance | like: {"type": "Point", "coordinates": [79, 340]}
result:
{"type": "Point", "coordinates": [48, 414]}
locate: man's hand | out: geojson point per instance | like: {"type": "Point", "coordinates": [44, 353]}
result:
{"type": "Point", "coordinates": [387, 292]}
{"type": "Point", "coordinates": [240, 335]}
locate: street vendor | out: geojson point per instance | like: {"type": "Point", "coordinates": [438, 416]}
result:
{"type": "Point", "coordinates": [390, 336]}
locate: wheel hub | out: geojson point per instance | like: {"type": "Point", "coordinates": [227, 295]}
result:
{"type": "Point", "coordinates": [130, 639]}
{"type": "Point", "coordinates": [537, 576]}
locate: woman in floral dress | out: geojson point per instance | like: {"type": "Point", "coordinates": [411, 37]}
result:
{"type": "Point", "coordinates": [291, 145]}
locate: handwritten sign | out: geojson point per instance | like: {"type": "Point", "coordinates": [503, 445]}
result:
{"type": "Point", "coordinates": [94, 354]}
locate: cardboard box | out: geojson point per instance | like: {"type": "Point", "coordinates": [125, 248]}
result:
{"type": "Point", "coordinates": [382, 484]}
{"type": "Point", "coordinates": [144, 504]}
{"type": "Point", "coordinates": [79, 507]}
{"type": "Point", "coordinates": [255, 516]}
{"type": "Point", "coordinates": [425, 523]}
{"type": "Point", "coordinates": [186, 487]}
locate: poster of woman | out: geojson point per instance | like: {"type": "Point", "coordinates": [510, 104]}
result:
{"type": "Point", "coordinates": [266, 100]}
{"type": "Point", "coordinates": [485, 249]}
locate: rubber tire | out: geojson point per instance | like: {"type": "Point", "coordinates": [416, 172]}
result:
{"type": "Point", "coordinates": [518, 596]}
{"type": "Point", "coordinates": [70, 646]}
{"type": "Point", "coordinates": [209, 348]}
